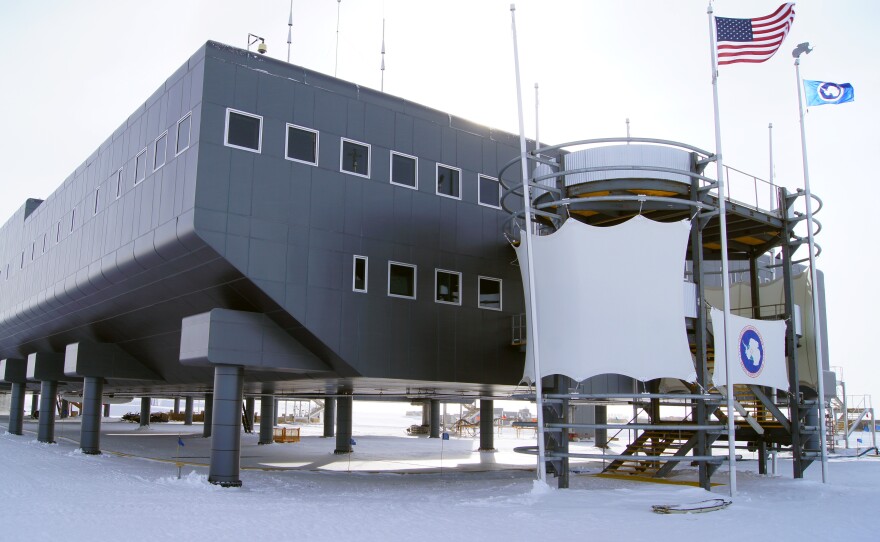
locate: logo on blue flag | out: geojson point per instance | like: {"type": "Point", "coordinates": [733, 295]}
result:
{"type": "Point", "coordinates": [180, 442]}
{"type": "Point", "coordinates": [823, 92]}
{"type": "Point", "coordinates": [445, 436]}
{"type": "Point", "coordinates": [751, 351]}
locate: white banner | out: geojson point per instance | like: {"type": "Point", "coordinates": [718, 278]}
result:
{"type": "Point", "coordinates": [757, 348]}
{"type": "Point", "coordinates": [610, 300]}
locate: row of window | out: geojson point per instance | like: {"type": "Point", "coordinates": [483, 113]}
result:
{"type": "Point", "coordinates": [117, 180]}
{"type": "Point", "coordinates": [447, 284]}
{"type": "Point", "coordinates": [245, 131]}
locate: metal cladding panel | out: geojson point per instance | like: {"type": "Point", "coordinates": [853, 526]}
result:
{"type": "Point", "coordinates": [329, 216]}
{"type": "Point", "coordinates": [627, 155]}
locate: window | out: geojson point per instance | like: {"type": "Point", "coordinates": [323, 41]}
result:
{"type": "Point", "coordinates": [447, 287]}
{"type": "Point", "coordinates": [183, 129]}
{"type": "Point", "coordinates": [354, 158]}
{"type": "Point", "coordinates": [489, 293]}
{"type": "Point", "coordinates": [161, 146]}
{"type": "Point", "coordinates": [244, 130]}
{"type": "Point", "coordinates": [73, 219]}
{"type": "Point", "coordinates": [401, 280]}
{"type": "Point", "coordinates": [21, 264]}
{"type": "Point", "coordinates": [33, 250]}
{"type": "Point", "coordinates": [302, 145]}
{"type": "Point", "coordinates": [359, 280]}
{"type": "Point", "coordinates": [404, 170]}
{"type": "Point", "coordinates": [118, 183]}
{"type": "Point", "coordinates": [448, 181]}
{"type": "Point", "coordinates": [58, 232]}
{"type": "Point", "coordinates": [489, 191]}
{"type": "Point", "coordinates": [45, 241]}
{"type": "Point", "coordinates": [140, 167]}
{"type": "Point", "coordinates": [97, 195]}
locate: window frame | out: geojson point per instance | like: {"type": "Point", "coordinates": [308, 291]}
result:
{"type": "Point", "coordinates": [391, 170]}
{"type": "Point", "coordinates": [500, 282]}
{"type": "Point", "coordinates": [156, 165]}
{"type": "Point", "coordinates": [287, 143]}
{"type": "Point", "coordinates": [185, 118]}
{"type": "Point", "coordinates": [144, 154]}
{"type": "Point", "coordinates": [437, 181]}
{"type": "Point", "coordinates": [480, 190]}
{"type": "Point", "coordinates": [414, 275]}
{"type": "Point", "coordinates": [354, 262]}
{"type": "Point", "coordinates": [437, 272]}
{"type": "Point", "coordinates": [369, 147]}
{"type": "Point", "coordinates": [119, 182]}
{"type": "Point", "coordinates": [226, 142]}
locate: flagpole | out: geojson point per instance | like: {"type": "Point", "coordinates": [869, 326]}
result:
{"type": "Point", "coordinates": [820, 374]}
{"type": "Point", "coordinates": [289, 31]}
{"type": "Point", "coordinates": [725, 286]}
{"type": "Point", "coordinates": [527, 211]}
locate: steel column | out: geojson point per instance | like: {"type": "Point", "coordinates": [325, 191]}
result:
{"type": "Point", "coordinates": [188, 410]}
{"type": "Point", "coordinates": [701, 414]}
{"type": "Point", "coordinates": [16, 408]}
{"type": "Point", "coordinates": [791, 341]}
{"type": "Point", "coordinates": [343, 424]}
{"type": "Point", "coordinates": [107, 410]}
{"type": "Point", "coordinates": [177, 405]}
{"type": "Point", "coordinates": [65, 409]}
{"type": "Point", "coordinates": [209, 415]}
{"type": "Point", "coordinates": [249, 411]}
{"type": "Point", "coordinates": [601, 416]}
{"type": "Point", "coordinates": [90, 429]}
{"type": "Point", "coordinates": [329, 417]}
{"type": "Point", "coordinates": [487, 429]}
{"type": "Point", "coordinates": [435, 418]}
{"type": "Point", "coordinates": [226, 426]}
{"type": "Point", "coordinates": [46, 428]}
{"type": "Point", "coordinates": [267, 419]}
{"type": "Point", "coordinates": [145, 412]}
{"type": "Point", "coordinates": [35, 404]}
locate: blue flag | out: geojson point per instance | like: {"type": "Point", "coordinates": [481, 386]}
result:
{"type": "Point", "coordinates": [823, 92]}
{"type": "Point", "coordinates": [445, 436]}
{"type": "Point", "coordinates": [352, 441]}
{"type": "Point", "coordinates": [180, 442]}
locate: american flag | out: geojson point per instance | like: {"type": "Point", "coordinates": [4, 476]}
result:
{"type": "Point", "coordinates": [752, 40]}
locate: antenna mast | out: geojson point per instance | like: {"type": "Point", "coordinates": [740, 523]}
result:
{"type": "Point", "coordinates": [338, 8]}
{"type": "Point", "coordinates": [383, 55]}
{"type": "Point", "coordinates": [289, 31]}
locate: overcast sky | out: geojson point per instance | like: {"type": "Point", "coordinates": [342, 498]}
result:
{"type": "Point", "coordinates": [74, 71]}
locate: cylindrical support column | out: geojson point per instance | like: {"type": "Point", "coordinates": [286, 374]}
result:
{"type": "Point", "coordinates": [329, 417]}
{"type": "Point", "coordinates": [487, 429]}
{"type": "Point", "coordinates": [65, 409]}
{"type": "Point", "coordinates": [177, 405]}
{"type": "Point", "coordinates": [16, 408]}
{"type": "Point", "coordinates": [209, 414]}
{"type": "Point", "coordinates": [435, 418]}
{"type": "Point", "coordinates": [46, 428]}
{"type": "Point", "coordinates": [267, 418]}
{"type": "Point", "coordinates": [35, 404]}
{"type": "Point", "coordinates": [343, 424]}
{"type": "Point", "coordinates": [90, 430]}
{"type": "Point", "coordinates": [188, 411]}
{"type": "Point", "coordinates": [249, 412]}
{"type": "Point", "coordinates": [601, 418]}
{"type": "Point", "coordinates": [226, 426]}
{"type": "Point", "coordinates": [107, 410]}
{"type": "Point", "coordinates": [145, 412]}
{"type": "Point", "coordinates": [426, 413]}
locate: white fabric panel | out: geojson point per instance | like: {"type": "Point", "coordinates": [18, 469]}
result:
{"type": "Point", "coordinates": [627, 155]}
{"type": "Point", "coordinates": [773, 303]}
{"type": "Point", "coordinates": [610, 300]}
{"type": "Point", "coordinates": [757, 348]}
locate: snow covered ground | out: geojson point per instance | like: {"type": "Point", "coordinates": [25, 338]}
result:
{"type": "Point", "coordinates": [392, 488]}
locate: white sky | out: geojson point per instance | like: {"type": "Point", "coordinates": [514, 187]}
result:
{"type": "Point", "coordinates": [74, 71]}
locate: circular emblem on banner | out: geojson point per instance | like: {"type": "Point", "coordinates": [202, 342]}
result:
{"type": "Point", "coordinates": [751, 351]}
{"type": "Point", "coordinates": [829, 92]}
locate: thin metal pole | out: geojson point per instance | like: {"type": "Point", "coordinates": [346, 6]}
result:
{"type": "Point", "coordinates": [382, 88]}
{"type": "Point", "coordinates": [289, 31]}
{"type": "Point", "coordinates": [338, 9]}
{"type": "Point", "coordinates": [725, 284]}
{"type": "Point", "coordinates": [533, 325]}
{"type": "Point", "coordinates": [820, 376]}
